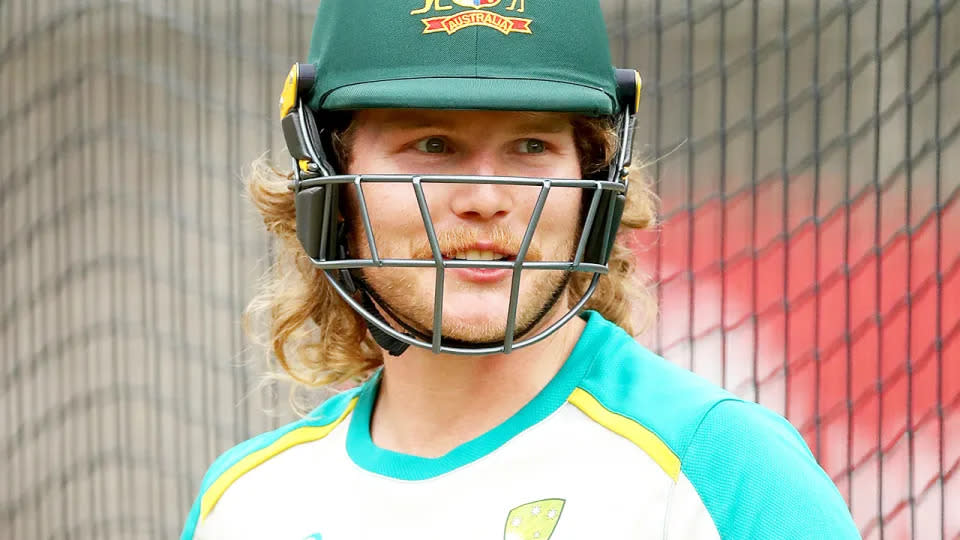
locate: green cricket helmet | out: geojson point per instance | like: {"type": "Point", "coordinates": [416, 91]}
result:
{"type": "Point", "coordinates": [513, 55]}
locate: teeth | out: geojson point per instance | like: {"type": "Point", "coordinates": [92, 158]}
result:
{"type": "Point", "coordinates": [474, 255]}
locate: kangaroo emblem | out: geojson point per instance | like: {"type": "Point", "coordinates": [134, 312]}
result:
{"type": "Point", "coordinates": [431, 4]}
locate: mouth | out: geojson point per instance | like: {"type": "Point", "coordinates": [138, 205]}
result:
{"type": "Point", "coordinates": [479, 255]}
{"type": "Point", "coordinates": [487, 252]}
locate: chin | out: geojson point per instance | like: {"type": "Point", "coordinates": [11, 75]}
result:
{"type": "Point", "coordinates": [471, 314]}
{"type": "Point", "coordinates": [481, 325]}
{"type": "Point", "coordinates": [485, 319]}
{"type": "Point", "coordinates": [476, 310]}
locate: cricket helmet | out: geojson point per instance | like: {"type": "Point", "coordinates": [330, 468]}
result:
{"type": "Point", "coordinates": [506, 55]}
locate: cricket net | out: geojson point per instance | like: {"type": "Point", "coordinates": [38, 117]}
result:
{"type": "Point", "coordinates": [805, 154]}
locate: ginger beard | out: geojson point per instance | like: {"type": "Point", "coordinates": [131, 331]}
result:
{"type": "Point", "coordinates": [474, 313]}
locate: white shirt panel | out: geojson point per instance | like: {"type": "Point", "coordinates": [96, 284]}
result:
{"type": "Point", "coordinates": [687, 517]}
{"type": "Point", "coordinates": [610, 488]}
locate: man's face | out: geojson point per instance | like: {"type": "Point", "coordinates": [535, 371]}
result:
{"type": "Point", "coordinates": [472, 221]}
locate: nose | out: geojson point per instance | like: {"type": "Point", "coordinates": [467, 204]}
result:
{"type": "Point", "coordinates": [481, 202]}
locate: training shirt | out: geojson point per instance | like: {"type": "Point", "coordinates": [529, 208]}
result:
{"type": "Point", "coordinates": [619, 444]}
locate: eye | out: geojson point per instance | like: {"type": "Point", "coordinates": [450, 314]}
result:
{"type": "Point", "coordinates": [531, 146]}
{"type": "Point", "coordinates": [432, 145]}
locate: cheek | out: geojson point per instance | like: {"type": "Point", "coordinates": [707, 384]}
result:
{"type": "Point", "coordinates": [563, 203]}
{"type": "Point", "coordinates": [561, 217]}
{"type": "Point", "coordinates": [566, 204]}
{"type": "Point", "coordinates": [394, 216]}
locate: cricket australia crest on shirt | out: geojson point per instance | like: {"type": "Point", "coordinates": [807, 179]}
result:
{"type": "Point", "coordinates": [533, 521]}
{"type": "Point", "coordinates": [478, 13]}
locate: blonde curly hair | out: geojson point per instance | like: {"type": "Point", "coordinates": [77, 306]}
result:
{"type": "Point", "coordinates": [317, 340]}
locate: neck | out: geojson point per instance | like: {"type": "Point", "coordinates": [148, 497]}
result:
{"type": "Point", "coordinates": [429, 404]}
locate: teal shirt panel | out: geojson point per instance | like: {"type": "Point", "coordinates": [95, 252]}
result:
{"type": "Point", "coordinates": [750, 467]}
{"type": "Point", "coordinates": [326, 413]}
{"type": "Point", "coordinates": [636, 383]}
{"type": "Point", "coordinates": [759, 480]}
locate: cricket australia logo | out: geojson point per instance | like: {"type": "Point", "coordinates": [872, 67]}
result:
{"type": "Point", "coordinates": [533, 521]}
{"type": "Point", "coordinates": [477, 14]}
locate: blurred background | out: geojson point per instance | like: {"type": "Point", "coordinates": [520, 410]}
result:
{"type": "Point", "coordinates": [805, 152]}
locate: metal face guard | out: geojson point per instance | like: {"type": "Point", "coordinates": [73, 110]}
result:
{"type": "Point", "coordinates": [317, 193]}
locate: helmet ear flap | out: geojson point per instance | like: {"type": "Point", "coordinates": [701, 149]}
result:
{"type": "Point", "coordinates": [606, 223]}
{"type": "Point", "coordinates": [317, 208]}
{"type": "Point", "coordinates": [318, 221]}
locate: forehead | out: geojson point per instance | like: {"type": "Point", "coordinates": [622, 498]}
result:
{"type": "Point", "coordinates": [454, 120]}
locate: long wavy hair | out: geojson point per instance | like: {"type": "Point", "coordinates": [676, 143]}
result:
{"type": "Point", "coordinates": [310, 335]}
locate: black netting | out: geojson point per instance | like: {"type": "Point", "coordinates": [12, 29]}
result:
{"type": "Point", "coordinates": [804, 153]}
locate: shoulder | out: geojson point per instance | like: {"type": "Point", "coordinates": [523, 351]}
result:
{"type": "Point", "coordinates": [748, 467]}
{"type": "Point", "coordinates": [629, 380]}
{"type": "Point", "coordinates": [756, 476]}
{"type": "Point", "coordinates": [246, 456]}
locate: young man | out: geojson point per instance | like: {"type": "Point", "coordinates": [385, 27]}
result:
{"type": "Point", "coordinates": [449, 237]}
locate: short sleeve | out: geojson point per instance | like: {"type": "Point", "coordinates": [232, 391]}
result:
{"type": "Point", "coordinates": [758, 480]}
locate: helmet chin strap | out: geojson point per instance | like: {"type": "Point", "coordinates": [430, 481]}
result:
{"type": "Point", "coordinates": [387, 342]}
{"type": "Point", "coordinates": [374, 303]}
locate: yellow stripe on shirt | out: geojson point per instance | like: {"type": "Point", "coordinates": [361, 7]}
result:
{"type": "Point", "coordinates": [628, 429]}
{"type": "Point", "coordinates": [249, 462]}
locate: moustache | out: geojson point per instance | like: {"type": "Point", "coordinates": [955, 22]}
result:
{"type": "Point", "coordinates": [459, 239]}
